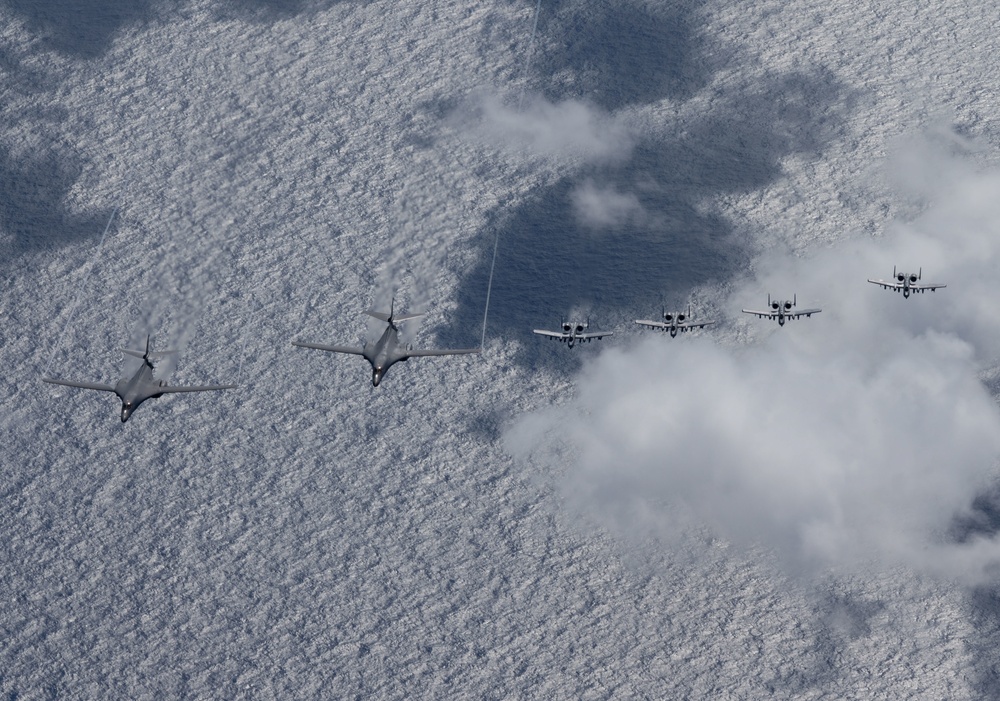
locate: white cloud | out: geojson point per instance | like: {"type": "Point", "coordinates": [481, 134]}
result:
{"type": "Point", "coordinates": [855, 436]}
{"type": "Point", "coordinates": [604, 207]}
{"type": "Point", "coordinates": [568, 129]}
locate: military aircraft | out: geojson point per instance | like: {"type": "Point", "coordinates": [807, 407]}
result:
{"type": "Point", "coordinates": [781, 311]}
{"type": "Point", "coordinates": [142, 385]}
{"type": "Point", "coordinates": [573, 332]}
{"type": "Point", "coordinates": [674, 322]}
{"type": "Point", "coordinates": [387, 350]}
{"type": "Point", "coordinates": [905, 283]}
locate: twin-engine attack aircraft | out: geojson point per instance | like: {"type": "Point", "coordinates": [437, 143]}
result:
{"type": "Point", "coordinates": [781, 311]}
{"type": "Point", "coordinates": [573, 332]}
{"type": "Point", "coordinates": [142, 385]}
{"type": "Point", "coordinates": [674, 322]}
{"type": "Point", "coordinates": [905, 283]}
{"type": "Point", "coordinates": [387, 350]}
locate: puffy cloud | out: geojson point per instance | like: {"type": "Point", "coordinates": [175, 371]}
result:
{"type": "Point", "coordinates": [856, 436]}
{"type": "Point", "coordinates": [568, 129]}
{"type": "Point", "coordinates": [604, 207]}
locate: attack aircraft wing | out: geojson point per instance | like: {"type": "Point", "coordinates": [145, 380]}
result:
{"type": "Point", "coordinates": [578, 336]}
{"type": "Point", "coordinates": [592, 334]}
{"type": "Point", "coordinates": [893, 285]}
{"type": "Point", "coordinates": [551, 334]}
{"type": "Point", "coordinates": [767, 314]}
{"type": "Point", "coordinates": [681, 326]}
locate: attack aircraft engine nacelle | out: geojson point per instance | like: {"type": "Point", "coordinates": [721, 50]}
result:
{"type": "Point", "coordinates": [674, 322]}
{"type": "Point", "coordinates": [781, 310]}
{"type": "Point", "coordinates": [906, 283]}
{"type": "Point", "coordinates": [572, 332]}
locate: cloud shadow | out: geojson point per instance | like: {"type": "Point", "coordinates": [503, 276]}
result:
{"type": "Point", "coordinates": [551, 263]}
{"type": "Point", "coordinates": [264, 11]}
{"type": "Point", "coordinates": [614, 54]}
{"type": "Point", "coordinates": [83, 29]}
{"type": "Point", "coordinates": [983, 520]}
{"type": "Point", "coordinates": [32, 214]}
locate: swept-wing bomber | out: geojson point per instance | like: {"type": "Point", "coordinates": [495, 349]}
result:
{"type": "Point", "coordinates": [134, 390]}
{"type": "Point", "coordinates": [906, 283]}
{"type": "Point", "coordinates": [387, 350]}
{"type": "Point", "coordinates": [573, 331]}
{"type": "Point", "coordinates": [782, 310]}
{"type": "Point", "coordinates": [674, 322]}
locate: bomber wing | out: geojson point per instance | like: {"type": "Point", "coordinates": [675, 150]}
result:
{"type": "Point", "coordinates": [193, 388]}
{"type": "Point", "coordinates": [81, 385]}
{"type": "Point", "coordinates": [330, 349]}
{"type": "Point", "coordinates": [444, 351]}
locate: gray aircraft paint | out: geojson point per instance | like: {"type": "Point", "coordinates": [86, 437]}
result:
{"type": "Point", "coordinates": [387, 350]}
{"type": "Point", "coordinates": [573, 331]}
{"type": "Point", "coordinates": [906, 283]}
{"type": "Point", "coordinates": [782, 310]}
{"type": "Point", "coordinates": [674, 322]}
{"type": "Point", "coordinates": [142, 385]}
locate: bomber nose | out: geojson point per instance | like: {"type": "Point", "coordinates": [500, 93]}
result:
{"type": "Point", "coordinates": [126, 412]}
{"type": "Point", "coordinates": [376, 377]}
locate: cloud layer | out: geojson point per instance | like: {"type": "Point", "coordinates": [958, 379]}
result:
{"type": "Point", "coordinates": [858, 435]}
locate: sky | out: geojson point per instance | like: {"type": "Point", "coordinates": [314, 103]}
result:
{"type": "Point", "coordinates": [744, 511]}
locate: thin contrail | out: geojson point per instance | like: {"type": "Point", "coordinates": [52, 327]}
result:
{"type": "Point", "coordinates": [489, 287]}
{"type": "Point", "coordinates": [79, 290]}
{"type": "Point", "coordinates": [520, 104]}
{"type": "Point", "coordinates": [243, 347]}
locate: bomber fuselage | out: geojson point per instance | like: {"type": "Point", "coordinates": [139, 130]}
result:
{"type": "Point", "coordinates": [134, 390]}
{"type": "Point", "coordinates": [384, 353]}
